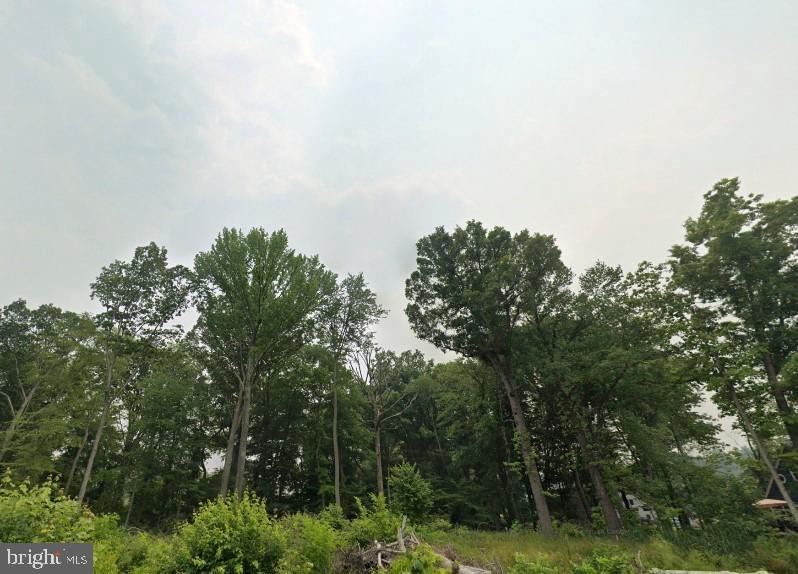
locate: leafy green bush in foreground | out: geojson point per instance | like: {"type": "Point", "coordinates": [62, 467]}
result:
{"type": "Point", "coordinates": [230, 535]}
{"type": "Point", "coordinates": [419, 561]}
{"type": "Point", "coordinates": [42, 513]}
{"type": "Point", "coordinates": [239, 537]}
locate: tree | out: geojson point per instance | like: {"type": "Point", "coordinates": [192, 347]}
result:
{"type": "Point", "coordinates": [385, 379]}
{"type": "Point", "coordinates": [471, 291]}
{"type": "Point", "coordinates": [257, 301]}
{"type": "Point", "coordinates": [348, 315]}
{"type": "Point", "coordinates": [456, 433]}
{"type": "Point", "coordinates": [166, 462]}
{"type": "Point", "coordinates": [715, 343]}
{"type": "Point", "coordinates": [740, 259]}
{"type": "Point", "coordinates": [140, 298]}
{"type": "Point", "coordinates": [411, 493]}
{"type": "Point", "coordinates": [38, 350]}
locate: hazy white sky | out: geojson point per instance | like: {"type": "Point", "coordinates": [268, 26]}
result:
{"type": "Point", "coordinates": [358, 126]}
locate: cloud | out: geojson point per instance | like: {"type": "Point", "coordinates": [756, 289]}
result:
{"type": "Point", "coordinates": [450, 184]}
{"type": "Point", "coordinates": [359, 126]}
{"type": "Point", "coordinates": [254, 70]}
{"type": "Point", "coordinates": [257, 71]}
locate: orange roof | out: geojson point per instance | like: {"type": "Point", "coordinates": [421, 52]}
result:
{"type": "Point", "coordinates": [770, 503]}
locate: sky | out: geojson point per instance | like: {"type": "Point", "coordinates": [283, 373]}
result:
{"type": "Point", "coordinates": [360, 126]}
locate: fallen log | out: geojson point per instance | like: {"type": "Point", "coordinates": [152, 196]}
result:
{"type": "Point", "coordinates": [381, 555]}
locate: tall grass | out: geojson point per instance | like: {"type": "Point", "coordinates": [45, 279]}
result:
{"type": "Point", "coordinates": [496, 550]}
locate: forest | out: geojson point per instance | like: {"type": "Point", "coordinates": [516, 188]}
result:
{"type": "Point", "coordinates": [252, 385]}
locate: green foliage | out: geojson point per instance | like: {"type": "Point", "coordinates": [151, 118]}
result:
{"type": "Point", "coordinates": [377, 522]}
{"type": "Point", "coordinates": [142, 296]}
{"type": "Point", "coordinates": [776, 554]}
{"type": "Point", "coordinates": [333, 516]}
{"type": "Point", "coordinates": [437, 524]}
{"type": "Point", "coordinates": [597, 521]}
{"type": "Point", "coordinates": [419, 561]}
{"type": "Point", "coordinates": [540, 565]}
{"type": "Point", "coordinates": [605, 561]}
{"type": "Point", "coordinates": [230, 535]}
{"type": "Point", "coordinates": [575, 383]}
{"type": "Point", "coordinates": [313, 540]}
{"type": "Point", "coordinates": [41, 513]}
{"type": "Point", "coordinates": [294, 562]}
{"type": "Point", "coordinates": [569, 530]}
{"type": "Point", "coordinates": [410, 493]}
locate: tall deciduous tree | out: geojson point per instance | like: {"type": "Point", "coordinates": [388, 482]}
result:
{"type": "Point", "coordinates": [349, 314]}
{"type": "Point", "coordinates": [140, 298]}
{"type": "Point", "coordinates": [740, 258]}
{"type": "Point", "coordinates": [471, 291]}
{"type": "Point", "coordinates": [717, 348]}
{"type": "Point", "coordinates": [257, 300]}
{"type": "Point", "coordinates": [37, 349]}
{"type": "Point", "coordinates": [385, 379]}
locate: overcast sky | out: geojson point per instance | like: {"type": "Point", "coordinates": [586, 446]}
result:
{"type": "Point", "coordinates": [360, 126]}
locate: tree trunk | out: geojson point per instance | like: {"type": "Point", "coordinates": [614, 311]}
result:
{"type": "Point", "coordinates": [235, 426]}
{"type": "Point", "coordinates": [336, 450]}
{"type": "Point", "coordinates": [504, 456]}
{"type": "Point", "coordinates": [242, 439]}
{"type": "Point", "coordinates": [786, 411]}
{"type": "Point", "coordinates": [110, 361]}
{"type": "Point", "coordinates": [527, 453]}
{"type": "Point", "coordinates": [586, 506]}
{"type": "Point", "coordinates": [611, 517]}
{"type": "Point", "coordinates": [75, 460]}
{"type": "Point", "coordinates": [130, 508]}
{"type": "Point", "coordinates": [378, 458]}
{"type": "Point", "coordinates": [763, 453]}
{"type": "Point", "coordinates": [17, 417]}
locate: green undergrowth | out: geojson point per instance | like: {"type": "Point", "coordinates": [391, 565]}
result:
{"type": "Point", "coordinates": [527, 552]}
{"type": "Point", "coordinates": [239, 536]}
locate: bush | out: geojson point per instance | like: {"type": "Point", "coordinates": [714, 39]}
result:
{"type": "Point", "coordinates": [569, 530]}
{"type": "Point", "coordinates": [777, 554]}
{"type": "Point", "coordinates": [230, 535]}
{"type": "Point", "coordinates": [314, 543]}
{"type": "Point", "coordinates": [293, 562]}
{"type": "Point", "coordinates": [605, 561]}
{"type": "Point", "coordinates": [375, 523]}
{"type": "Point", "coordinates": [420, 561]}
{"type": "Point", "coordinates": [410, 493]}
{"type": "Point", "coordinates": [524, 565]}
{"type": "Point", "coordinates": [434, 526]}
{"type": "Point", "coordinates": [333, 515]}
{"type": "Point", "coordinates": [43, 514]}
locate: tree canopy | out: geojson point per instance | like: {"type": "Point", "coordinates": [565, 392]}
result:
{"type": "Point", "coordinates": [567, 393]}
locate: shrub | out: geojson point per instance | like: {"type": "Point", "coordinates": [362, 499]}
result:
{"type": "Point", "coordinates": [375, 523]}
{"type": "Point", "coordinates": [133, 552]}
{"type": "Point", "coordinates": [434, 526]}
{"type": "Point", "coordinates": [160, 558]}
{"type": "Point", "coordinates": [312, 541]}
{"type": "Point", "coordinates": [230, 535]}
{"type": "Point", "coordinates": [294, 562]}
{"type": "Point", "coordinates": [105, 558]}
{"type": "Point", "coordinates": [42, 513]}
{"type": "Point", "coordinates": [419, 561]}
{"type": "Point", "coordinates": [777, 554]}
{"type": "Point", "coordinates": [411, 494]}
{"type": "Point", "coordinates": [605, 561]}
{"type": "Point", "coordinates": [569, 530]}
{"type": "Point", "coordinates": [540, 565]}
{"type": "Point", "coordinates": [333, 515]}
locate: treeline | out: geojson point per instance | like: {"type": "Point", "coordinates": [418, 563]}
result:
{"type": "Point", "coordinates": [567, 390]}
